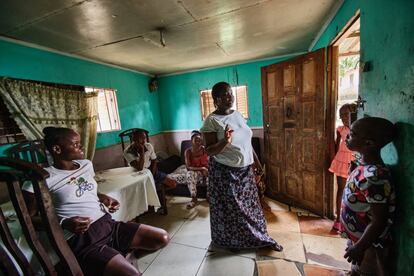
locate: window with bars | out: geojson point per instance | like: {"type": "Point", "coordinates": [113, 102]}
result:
{"type": "Point", "coordinates": [108, 116]}
{"type": "Point", "coordinates": [240, 101]}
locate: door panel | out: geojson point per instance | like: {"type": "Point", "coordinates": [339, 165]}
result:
{"type": "Point", "coordinates": [309, 77]}
{"type": "Point", "coordinates": [289, 79]}
{"type": "Point", "coordinates": [289, 150]}
{"type": "Point", "coordinates": [294, 117]}
{"type": "Point", "coordinates": [276, 179]}
{"type": "Point", "coordinates": [271, 87]}
{"type": "Point", "coordinates": [308, 110]}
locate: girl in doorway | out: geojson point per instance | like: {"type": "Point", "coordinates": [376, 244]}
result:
{"type": "Point", "coordinates": [342, 159]}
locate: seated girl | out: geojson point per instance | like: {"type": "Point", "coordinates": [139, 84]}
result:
{"type": "Point", "coordinates": [140, 147]}
{"type": "Point", "coordinates": [195, 170]}
{"type": "Point", "coordinates": [99, 243]}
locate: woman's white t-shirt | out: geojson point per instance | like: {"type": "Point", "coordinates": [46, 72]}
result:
{"type": "Point", "coordinates": [240, 152]}
{"type": "Point", "coordinates": [74, 192]}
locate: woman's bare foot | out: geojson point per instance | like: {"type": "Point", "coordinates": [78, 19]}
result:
{"type": "Point", "coordinates": [265, 206]}
{"type": "Point", "coordinates": [276, 247]}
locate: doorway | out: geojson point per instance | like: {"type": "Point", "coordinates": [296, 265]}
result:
{"type": "Point", "coordinates": [300, 118]}
{"type": "Point", "coordinates": [348, 67]}
{"type": "Point", "coordinates": [344, 59]}
{"type": "Point", "coordinates": [295, 138]}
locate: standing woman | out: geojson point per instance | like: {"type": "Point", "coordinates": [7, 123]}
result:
{"type": "Point", "coordinates": [236, 217]}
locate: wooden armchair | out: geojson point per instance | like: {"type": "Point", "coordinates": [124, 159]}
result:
{"type": "Point", "coordinates": [125, 137]}
{"type": "Point", "coordinates": [13, 173]}
{"type": "Point", "coordinates": [30, 151]}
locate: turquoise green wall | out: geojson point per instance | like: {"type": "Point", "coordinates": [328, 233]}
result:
{"type": "Point", "coordinates": [180, 94]}
{"type": "Point", "coordinates": [389, 92]}
{"type": "Point", "coordinates": [137, 106]}
{"type": "Point", "coordinates": [387, 41]}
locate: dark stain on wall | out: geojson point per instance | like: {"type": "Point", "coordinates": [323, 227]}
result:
{"type": "Point", "coordinates": [406, 97]}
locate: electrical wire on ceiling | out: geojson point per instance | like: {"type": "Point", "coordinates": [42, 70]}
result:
{"type": "Point", "coordinates": [162, 36]}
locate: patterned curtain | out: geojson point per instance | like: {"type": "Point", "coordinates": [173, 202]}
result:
{"type": "Point", "coordinates": [34, 106]}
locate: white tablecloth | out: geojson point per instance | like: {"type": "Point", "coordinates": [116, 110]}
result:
{"type": "Point", "coordinates": [134, 190]}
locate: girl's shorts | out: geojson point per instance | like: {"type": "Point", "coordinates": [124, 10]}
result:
{"type": "Point", "coordinates": [104, 239]}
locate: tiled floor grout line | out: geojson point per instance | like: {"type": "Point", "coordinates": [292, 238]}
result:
{"type": "Point", "coordinates": [179, 228]}
{"type": "Point", "coordinates": [304, 248]}
{"type": "Point", "coordinates": [301, 238]}
{"type": "Point", "coordinates": [202, 261]}
{"type": "Point", "coordinates": [178, 217]}
{"type": "Point", "coordinates": [192, 246]}
{"type": "Point", "coordinates": [152, 261]}
{"type": "Point", "coordinates": [301, 268]}
{"type": "Point", "coordinates": [163, 248]}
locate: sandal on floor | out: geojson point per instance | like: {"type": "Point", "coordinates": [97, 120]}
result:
{"type": "Point", "coordinates": [191, 205]}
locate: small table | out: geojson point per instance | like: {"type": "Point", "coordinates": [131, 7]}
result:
{"type": "Point", "coordinates": [134, 190]}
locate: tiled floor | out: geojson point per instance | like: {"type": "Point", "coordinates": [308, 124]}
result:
{"type": "Point", "coordinates": [310, 248]}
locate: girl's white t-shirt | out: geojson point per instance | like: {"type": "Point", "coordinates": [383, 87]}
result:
{"type": "Point", "coordinates": [240, 152]}
{"type": "Point", "coordinates": [74, 192]}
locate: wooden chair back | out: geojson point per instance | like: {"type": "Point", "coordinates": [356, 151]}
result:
{"type": "Point", "coordinates": [14, 173]}
{"type": "Point", "coordinates": [30, 151]}
{"type": "Point", "coordinates": [126, 137]}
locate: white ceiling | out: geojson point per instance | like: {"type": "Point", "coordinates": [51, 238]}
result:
{"type": "Point", "coordinates": [198, 33]}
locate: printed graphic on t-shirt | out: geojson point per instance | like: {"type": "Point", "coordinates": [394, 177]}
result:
{"type": "Point", "coordinates": [83, 185]}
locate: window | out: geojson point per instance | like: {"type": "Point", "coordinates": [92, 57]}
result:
{"type": "Point", "coordinates": [240, 101]}
{"type": "Point", "coordinates": [108, 117]}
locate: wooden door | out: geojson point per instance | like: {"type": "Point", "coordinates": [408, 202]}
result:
{"type": "Point", "coordinates": [295, 142]}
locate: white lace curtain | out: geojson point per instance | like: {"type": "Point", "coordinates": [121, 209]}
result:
{"type": "Point", "coordinates": [34, 106]}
